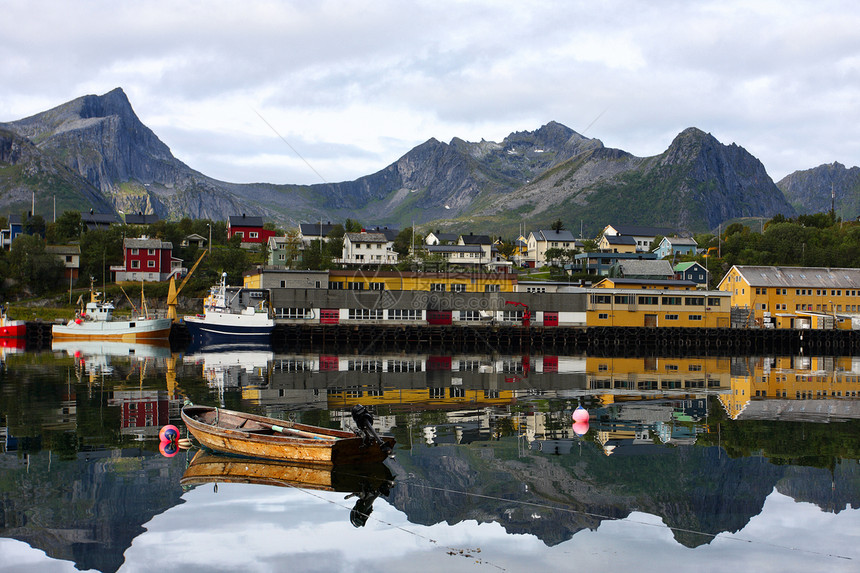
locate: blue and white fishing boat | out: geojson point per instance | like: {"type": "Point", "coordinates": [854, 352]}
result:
{"type": "Point", "coordinates": [231, 318]}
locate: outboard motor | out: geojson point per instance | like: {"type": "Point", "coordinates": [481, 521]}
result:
{"type": "Point", "coordinates": [364, 420]}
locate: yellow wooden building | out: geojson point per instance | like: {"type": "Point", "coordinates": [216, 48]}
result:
{"type": "Point", "coordinates": [794, 378]}
{"type": "Point", "coordinates": [425, 281]}
{"type": "Point", "coordinates": [652, 307]}
{"type": "Point", "coordinates": [795, 297]}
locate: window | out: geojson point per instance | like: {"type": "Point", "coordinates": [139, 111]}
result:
{"type": "Point", "coordinates": [623, 299]}
{"type": "Point", "coordinates": [293, 313]}
{"type": "Point", "coordinates": [365, 314]}
{"type": "Point", "coordinates": [134, 251]}
{"type": "Point", "coordinates": [512, 315]}
{"type": "Point", "coordinates": [603, 316]}
{"type": "Point", "coordinates": [536, 289]}
{"type": "Point", "coordinates": [150, 264]}
{"type": "Point", "coordinates": [404, 314]}
{"type": "Point", "coordinates": [694, 301]}
{"type": "Point", "coordinates": [458, 287]}
{"type": "Point", "coordinates": [601, 299]}
{"type": "Point", "coordinates": [473, 315]}
{"type": "Point", "coordinates": [377, 286]}
{"type": "Point", "coordinates": [404, 366]}
{"type": "Point", "coordinates": [648, 300]}
{"type": "Point", "coordinates": [671, 317]}
{"type": "Point", "coordinates": [253, 235]}
{"type": "Point", "coordinates": [150, 251]}
{"type": "Point", "coordinates": [695, 368]}
{"type": "Point", "coordinates": [356, 286]}
{"type": "Point", "coordinates": [335, 286]}
{"type": "Point", "coordinates": [671, 300]}
{"type": "Point", "coordinates": [713, 301]}
{"type": "Point", "coordinates": [437, 287]}
{"type": "Point", "coordinates": [492, 288]}
{"type": "Point", "coordinates": [695, 317]}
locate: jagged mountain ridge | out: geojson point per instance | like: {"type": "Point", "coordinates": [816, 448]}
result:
{"type": "Point", "coordinates": [694, 185]}
{"type": "Point", "coordinates": [818, 189]}
{"type": "Point", "coordinates": [532, 177]}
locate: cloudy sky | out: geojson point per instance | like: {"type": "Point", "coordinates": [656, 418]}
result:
{"type": "Point", "coordinates": [305, 92]}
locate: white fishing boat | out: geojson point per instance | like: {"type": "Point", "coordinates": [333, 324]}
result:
{"type": "Point", "coordinates": [229, 319]}
{"type": "Point", "coordinates": [96, 322]}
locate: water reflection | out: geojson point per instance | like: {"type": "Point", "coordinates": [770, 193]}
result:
{"type": "Point", "coordinates": [702, 443]}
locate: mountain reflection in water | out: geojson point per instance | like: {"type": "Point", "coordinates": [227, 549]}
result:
{"type": "Point", "coordinates": [692, 446]}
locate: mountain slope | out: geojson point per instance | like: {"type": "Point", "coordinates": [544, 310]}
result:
{"type": "Point", "coordinates": [815, 190]}
{"type": "Point", "coordinates": [111, 160]}
{"type": "Point", "coordinates": [102, 141]}
{"type": "Point", "coordinates": [25, 172]}
{"type": "Point", "coordinates": [694, 185]}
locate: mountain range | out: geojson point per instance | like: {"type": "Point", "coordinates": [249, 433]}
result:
{"type": "Point", "coordinates": [95, 153]}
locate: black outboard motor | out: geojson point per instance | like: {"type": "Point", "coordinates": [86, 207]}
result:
{"type": "Point", "coordinates": [364, 420]}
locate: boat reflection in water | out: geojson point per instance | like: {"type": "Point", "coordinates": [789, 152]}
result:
{"type": "Point", "coordinates": [365, 482]}
{"type": "Point", "coordinates": [232, 366]}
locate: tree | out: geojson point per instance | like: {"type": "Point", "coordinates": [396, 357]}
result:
{"type": "Point", "coordinates": [557, 225]}
{"type": "Point", "coordinates": [66, 228]}
{"type": "Point", "coordinates": [403, 242]}
{"type": "Point", "coordinates": [352, 226]}
{"type": "Point", "coordinates": [35, 269]}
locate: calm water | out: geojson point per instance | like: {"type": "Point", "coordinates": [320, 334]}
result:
{"type": "Point", "coordinates": [719, 464]}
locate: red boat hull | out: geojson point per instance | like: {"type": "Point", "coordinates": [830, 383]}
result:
{"type": "Point", "coordinates": [14, 329]}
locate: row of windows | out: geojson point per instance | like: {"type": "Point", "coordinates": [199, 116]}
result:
{"type": "Point", "coordinates": [136, 264]}
{"type": "Point", "coordinates": [809, 292]}
{"type": "Point", "coordinates": [434, 287]}
{"type": "Point", "coordinates": [137, 251]}
{"type": "Point", "coordinates": [654, 300]}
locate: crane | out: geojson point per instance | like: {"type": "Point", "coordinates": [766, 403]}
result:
{"type": "Point", "coordinates": [173, 292]}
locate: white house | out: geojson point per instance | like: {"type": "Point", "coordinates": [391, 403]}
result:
{"type": "Point", "coordinates": [643, 236]}
{"type": "Point", "coordinates": [368, 249]}
{"type": "Point", "coordinates": [540, 241]}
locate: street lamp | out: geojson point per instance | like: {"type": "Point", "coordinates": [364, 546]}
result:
{"type": "Point", "coordinates": [209, 244]}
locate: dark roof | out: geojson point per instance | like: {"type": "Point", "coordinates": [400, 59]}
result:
{"type": "Point", "coordinates": [620, 240]}
{"type": "Point", "coordinates": [366, 237]}
{"type": "Point", "coordinates": [245, 221]}
{"type": "Point", "coordinates": [140, 219]}
{"type": "Point", "coordinates": [453, 248]}
{"type": "Point", "coordinates": [95, 220]}
{"type": "Point", "coordinates": [476, 239]}
{"type": "Point", "coordinates": [445, 237]}
{"type": "Point", "coordinates": [390, 234]}
{"type": "Point", "coordinates": [553, 235]}
{"type": "Point", "coordinates": [316, 229]}
{"type": "Point", "coordinates": [641, 231]}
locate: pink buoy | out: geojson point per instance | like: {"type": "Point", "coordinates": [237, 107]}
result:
{"type": "Point", "coordinates": [580, 428]}
{"type": "Point", "coordinates": [168, 449]}
{"type": "Point", "coordinates": [580, 414]}
{"type": "Point", "coordinates": [169, 433]}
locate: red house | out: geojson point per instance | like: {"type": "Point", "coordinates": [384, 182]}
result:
{"type": "Point", "coordinates": [250, 229]}
{"type": "Point", "coordinates": [147, 260]}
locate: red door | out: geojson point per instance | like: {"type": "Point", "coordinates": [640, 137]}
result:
{"type": "Point", "coordinates": [439, 317]}
{"type": "Point", "coordinates": [550, 318]}
{"type": "Point", "coordinates": [329, 316]}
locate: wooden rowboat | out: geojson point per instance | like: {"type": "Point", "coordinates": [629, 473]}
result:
{"type": "Point", "coordinates": [208, 467]}
{"type": "Point", "coordinates": [256, 436]}
{"type": "Point", "coordinates": [364, 482]}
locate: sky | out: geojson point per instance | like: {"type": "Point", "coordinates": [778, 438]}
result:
{"type": "Point", "coordinates": [309, 92]}
{"type": "Point", "coordinates": [263, 528]}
